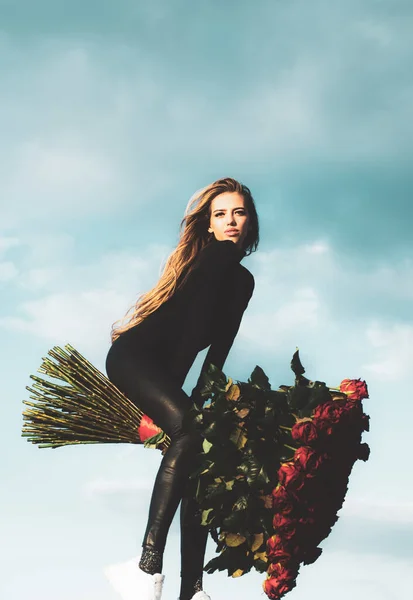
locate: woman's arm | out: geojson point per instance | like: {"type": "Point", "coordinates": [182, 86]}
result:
{"type": "Point", "coordinates": [213, 264]}
{"type": "Point", "coordinates": [224, 338]}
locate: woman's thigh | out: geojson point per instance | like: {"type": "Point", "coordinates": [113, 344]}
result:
{"type": "Point", "coordinates": [147, 383]}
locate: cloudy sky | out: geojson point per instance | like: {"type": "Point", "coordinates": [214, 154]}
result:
{"type": "Point", "coordinates": [112, 114]}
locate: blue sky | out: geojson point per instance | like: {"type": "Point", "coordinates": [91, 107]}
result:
{"type": "Point", "coordinates": [111, 116]}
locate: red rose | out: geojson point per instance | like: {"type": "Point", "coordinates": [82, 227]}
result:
{"type": "Point", "coordinates": [281, 521]}
{"type": "Point", "coordinates": [356, 389]}
{"type": "Point", "coordinates": [274, 588]}
{"type": "Point", "coordinates": [284, 526]}
{"type": "Point", "coordinates": [354, 410]}
{"type": "Point", "coordinates": [147, 428]}
{"type": "Point", "coordinates": [283, 501]}
{"type": "Point", "coordinates": [291, 476]}
{"type": "Point", "coordinates": [280, 571]}
{"type": "Point", "coordinates": [308, 459]}
{"type": "Point", "coordinates": [305, 432]}
{"type": "Point", "coordinates": [324, 426]}
{"type": "Point", "coordinates": [276, 549]}
{"type": "Point", "coordinates": [273, 542]}
{"type": "Point", "coordinates": [330, 411]}
{"type": "Point", "coordinates": [280, 580]}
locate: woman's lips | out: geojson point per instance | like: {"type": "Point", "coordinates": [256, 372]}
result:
{"type": "Point", "coordinates": [231, 232]}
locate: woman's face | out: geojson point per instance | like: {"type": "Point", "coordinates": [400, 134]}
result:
{"type": "Point", "coordinates": [229, 218]}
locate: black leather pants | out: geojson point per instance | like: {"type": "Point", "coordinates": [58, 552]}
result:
{"type": "Point", "coordinates": [147, 383]}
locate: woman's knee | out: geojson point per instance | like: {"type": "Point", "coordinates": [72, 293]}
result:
{"type": "Point", "coordinates": [186, 434]}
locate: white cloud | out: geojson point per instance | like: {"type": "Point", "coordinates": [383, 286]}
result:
{"type": "Point", "coordinates": [49, 247]}
{"type": "Point", "coordinates": [288, 304]}
{"type": "Point", "coordinates": [113, 486]}
{"type": "Point", "coordinates": [280, 328]}
{"type": "Point", "coordinates": [359, 575]}
{"type": "Point", "coordinates": [38, 278]}
{"type": "Point", "coordinates": [7, 242]}
{"type": "Point", "coordinates": [89, 133]}
{"type": "Point", "coordinates": [378, 510]}
{"type": "Point", "coordinates": [82, 319]}
{"type": "Point", "coordinates": [64, 176]}
{"type": "Point", "coordinates": [297, 302]}
{"type": "Point", "coordinates": [393, 350]}
{"type": "Point", "coordinates": [318, 247]}
{"type": "Point", "coordinates": [85, 128]}
{"type": "Point", "coordinates": [8, 271]}
{"type": "Point", "coordinates": [377, 32]}
{"type": "Point", "coordinates": [80, 303]}
{"type": "Point", "coordinates": [337, 574]}
{"type": "Point", "coordinates": [308, 296]}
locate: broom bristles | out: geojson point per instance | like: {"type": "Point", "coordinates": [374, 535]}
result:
{"type": "Point", "coordinates": [86, 409]}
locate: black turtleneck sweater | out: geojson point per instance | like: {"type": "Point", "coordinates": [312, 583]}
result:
{"type": "Point", "coordinates": [206, 311]}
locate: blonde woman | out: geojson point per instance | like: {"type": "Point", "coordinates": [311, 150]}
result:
{"type": "Point", "coordinates": [198, 301]}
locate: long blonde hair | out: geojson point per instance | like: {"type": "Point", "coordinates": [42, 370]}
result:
{"type": "Point", "coordinates": [193, 237]}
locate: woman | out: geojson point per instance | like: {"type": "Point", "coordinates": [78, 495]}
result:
{"type": "Point", "coordinates": [198, 301]}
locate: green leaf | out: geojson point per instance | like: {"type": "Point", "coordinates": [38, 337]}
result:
{"type": "Point", "coordinates": [296, 365]}
{"type": "Point", "coordinates": [211, 431]}
{"type": "Point", "coordinates": [205, 516]}
{"type": "Point", "coordinates": [259, 379]}
{"type": "Point", "coordinates": [202, 469]}
{"type": "Point", "coordinates": [298, 397]}
{"type": "Point", "coordinates": [214, 491]}
{"type": "Point", "coordinates": [152, 441]}
{"type": "Point", "coordinates": [265, 520]}
{"type": "Point", "coordinates": [262, 476]}
{"type": "Point", "coordinates": [195, 418]}
{"type": "Point", "coordinates": [257, 542]}
{"type": "Point", "coordinates": [219, 563]}
{"type": "Point", "coordinates": [319, 393]}
{"type": "Point", "coordinates": [235, 521]}
{"type": "Point", "coordinates": [216, 377]}
{"type": "Point", "coordinates": [214, 534]}
{"type": "Point", "coordinates": [241, 503]}
{"type": "Point", "coordinates": [206, 446]}
{"type": "Point", "coordinates": [277, 399]}
{"type": "Point", "coordinates": [238, 437]}
{"type": "Point", "coordinates": [260, 565]}
{"type": "Point", "coordinates": [250, 467]}
{"type": "Point", "coordinates": [233, 540]}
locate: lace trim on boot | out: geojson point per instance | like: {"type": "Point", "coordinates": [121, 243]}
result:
{"type": "Point", "coordinates": [151, 560]}
{"type": "Point", "coordinates": [198, 585]}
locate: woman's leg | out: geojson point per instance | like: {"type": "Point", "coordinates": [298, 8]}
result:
{"type": "Point", "coordinates": [193, 544]}
{"type": "Point", "coordinates": [150, 387]}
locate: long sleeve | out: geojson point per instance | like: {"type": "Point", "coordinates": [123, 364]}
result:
{"type": "Point", "coordinates": [197, 299]}
{"type": "Point", "coordinates": [226, 333]}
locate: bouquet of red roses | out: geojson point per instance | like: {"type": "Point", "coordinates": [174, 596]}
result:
{"type": "Point", "coordinates": [312, 486]}
{"type": "Point", "coordinates": [275, 463]}
{"type": "Point", "coordinates": [274, 469]}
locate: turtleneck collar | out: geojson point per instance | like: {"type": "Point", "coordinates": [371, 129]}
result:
{"type": "Point", "coordinates": [214, 240]}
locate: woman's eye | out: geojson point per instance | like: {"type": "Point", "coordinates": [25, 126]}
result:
{"type": "Point", "coordinates": [238, 212]}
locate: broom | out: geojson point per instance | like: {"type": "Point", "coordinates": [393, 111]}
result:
{"type": "Point", "coordinates": [83, 407]}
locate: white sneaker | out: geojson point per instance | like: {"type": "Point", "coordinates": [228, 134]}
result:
{"type": "Point", "coordinates": [131, 583]}
{"type": "Point", "coordinates": [201, 596]}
